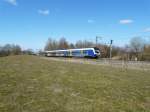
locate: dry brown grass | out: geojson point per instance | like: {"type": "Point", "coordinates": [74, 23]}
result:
{"type": "Point", "coordinates": [31, 84]}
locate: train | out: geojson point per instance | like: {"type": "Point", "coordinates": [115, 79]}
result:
{"type": "Point", "coordinates": [80, 52]}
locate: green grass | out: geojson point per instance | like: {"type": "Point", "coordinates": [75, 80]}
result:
{"type": "Point", "coordinates": [31, 84]}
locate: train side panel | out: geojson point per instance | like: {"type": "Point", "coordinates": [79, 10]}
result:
{"type": "Point", "coordinates": [88, 52]}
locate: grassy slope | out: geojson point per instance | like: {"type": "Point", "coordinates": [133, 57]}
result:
{"type": "Point", "coordinates": [30, 84]}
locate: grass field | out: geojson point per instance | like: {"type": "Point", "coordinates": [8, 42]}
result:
{"type": "Point", "coordinates": [31, 84]}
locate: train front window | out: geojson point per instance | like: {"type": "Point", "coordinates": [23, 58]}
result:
{"type": "Point", "coordinates": [97, 50]}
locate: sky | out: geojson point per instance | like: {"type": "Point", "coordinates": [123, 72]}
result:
{"type": "Point", "coordinates": [30, 23]}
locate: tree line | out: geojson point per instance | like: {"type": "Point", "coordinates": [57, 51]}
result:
{"type": "Point", "coordinates": [53, 44]}
{"type": "Point", "coordinates": [137, 49]}
{"type": "Point", "coordinates": [12, 49]}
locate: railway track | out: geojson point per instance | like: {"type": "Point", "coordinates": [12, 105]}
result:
{"type": "Point", "coordinates": [140, 65]}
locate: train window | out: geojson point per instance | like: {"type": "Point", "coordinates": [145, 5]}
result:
{"type": "Point", "coordinates": [85, 52]}
{"type": "Point", "coordinates": [97, 50]}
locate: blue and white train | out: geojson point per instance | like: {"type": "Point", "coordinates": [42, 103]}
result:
{"type": "Point", "coordinates": [82, 52]}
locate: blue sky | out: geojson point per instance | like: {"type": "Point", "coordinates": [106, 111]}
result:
{"type": "Point", "coordinates": [29, 23]}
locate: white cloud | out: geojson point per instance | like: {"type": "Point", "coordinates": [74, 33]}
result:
{"type": "Point", "coordinates": [43, 12]}
{"type": "Point", "coordinates": [12, 2]}
{"type": "Point", "coordinates": [91, 21]}
{"type": "Point", "coordinates": [126, 21]}
{"type": "Point", "coordinates": [147, 30]}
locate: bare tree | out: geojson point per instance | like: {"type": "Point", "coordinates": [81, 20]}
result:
{"type": "Point", "coordinates": [16, 50]}
{"type": "Point", "coordinates": [146, 54]}
{"type": "Point", "coordinates": [63, 44]}
{"type": "Point", "coordinates": [79, 44]}
{"type": "Point", "coordinates": [71, 46]}
{"type": "Point", "coordinates": [55, 45]}
{"type": "Point", "coordinates": [137, 45]}
{"type": "Point", "coordinates": [84, 44]}
{"type": "Point", "coordinates": [88, 44]}
{"type": "Point", "coordinates": [51, 44]}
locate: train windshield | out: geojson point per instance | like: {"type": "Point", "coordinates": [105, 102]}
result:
{"type": "Point", "coordinates": [97, 50]}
